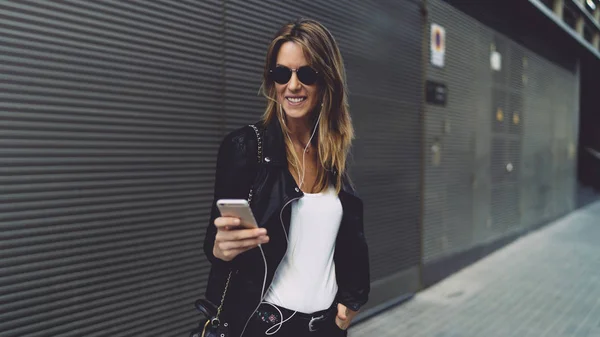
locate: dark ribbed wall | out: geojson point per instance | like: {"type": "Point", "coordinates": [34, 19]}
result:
{"type": "Point", "coordinates": [112, 113]}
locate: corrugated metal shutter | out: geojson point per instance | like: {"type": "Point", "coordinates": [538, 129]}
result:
{"type": "Point", "coordinates": [249, 27]}
{"type": "Point", "coordinates": [383, 55]}
{"type": "Point", "coordinates": [111, 116]}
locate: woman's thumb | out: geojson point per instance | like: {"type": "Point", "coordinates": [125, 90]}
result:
{"type": "Point", "coordinates": [342, 311]}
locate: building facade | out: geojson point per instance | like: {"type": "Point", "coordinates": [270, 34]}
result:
{"type": "Point", "coordinates": [112, 113]}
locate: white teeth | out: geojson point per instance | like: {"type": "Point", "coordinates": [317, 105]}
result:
{"type": "Point", "coordinates": [295, 99]}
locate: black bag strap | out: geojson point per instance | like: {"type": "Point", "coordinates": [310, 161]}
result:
{"type": "Point", "coordinates": [259, 159]}
{"type": "Point", "coordinates": [259, 139]}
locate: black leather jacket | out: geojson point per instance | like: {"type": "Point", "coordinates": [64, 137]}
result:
{"type": "Point", "coordinates": [274, 189]}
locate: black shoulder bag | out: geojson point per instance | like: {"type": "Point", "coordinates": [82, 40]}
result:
{"type": "Point", "coordinates": [211, 326]}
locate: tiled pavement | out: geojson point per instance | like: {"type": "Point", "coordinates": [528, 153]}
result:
{"type": "Point", "coordinates": [544, 284]}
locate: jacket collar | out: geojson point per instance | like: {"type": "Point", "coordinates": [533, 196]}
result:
{"type": "Point", "coordinates": [274, 152]}
{"type": "Point", "coordinates": [274, 144]}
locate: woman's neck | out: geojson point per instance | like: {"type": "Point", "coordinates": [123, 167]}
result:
{"type": "Point", "coordinates": [300, 130]}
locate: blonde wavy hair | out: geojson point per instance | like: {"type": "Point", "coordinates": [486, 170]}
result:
{"type": "Point", "coordinates": [335, 132]}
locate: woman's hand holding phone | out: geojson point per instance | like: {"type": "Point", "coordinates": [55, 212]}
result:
{"type": "Point", "coordinates": [232, 240]}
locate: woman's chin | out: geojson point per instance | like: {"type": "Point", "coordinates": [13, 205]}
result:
{"type": "Point", "coordinates": [295, 112]}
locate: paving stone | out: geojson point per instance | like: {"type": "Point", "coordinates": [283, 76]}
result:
{"type": "Point", "coordinates": [545, 284]}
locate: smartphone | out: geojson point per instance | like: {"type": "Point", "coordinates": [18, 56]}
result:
{"type": "Point", "coordinates": [238, 208]}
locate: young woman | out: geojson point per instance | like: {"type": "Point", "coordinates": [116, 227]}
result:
{"type": "Point", "coordinates": [305, 270]}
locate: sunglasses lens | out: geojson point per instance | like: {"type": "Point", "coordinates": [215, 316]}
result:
{"type": "Point", "coordinates": [281, 75]}
{"type": "Point", "coordinates": [307, 75]}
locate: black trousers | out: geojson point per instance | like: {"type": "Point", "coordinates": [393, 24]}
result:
{"type": "Point", "coordinates": [266, 321]}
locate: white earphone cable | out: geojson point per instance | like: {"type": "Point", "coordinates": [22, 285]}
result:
{"type": "Point", "coordinates": [304, 152]}
{"type": "Point", "coordinates": [302, 174]}
{"type": "Point", "coordinates": [276, 327]}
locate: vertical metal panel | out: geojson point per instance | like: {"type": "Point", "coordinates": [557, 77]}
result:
{"type": "Point", "coordinates": [536, 177]}
{"type": "Point", "coordinates": [549, 141]}
{"type": "Point", "coordinates": [564, 89]}
{"type": "Point", "coordinates": [486, 115]}
{"type": "Point", "coordinates": [110, 122]}
{"type": "Point", "coordinates": [506, 139]}
{"type": "Point", "coordinates": [449, 184]}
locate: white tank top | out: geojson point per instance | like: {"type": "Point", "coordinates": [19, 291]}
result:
{"type": "Point", "coordinates": [305, 280]}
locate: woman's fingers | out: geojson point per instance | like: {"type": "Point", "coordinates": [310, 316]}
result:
{"type": "Point", "coordinates": [225, 221]}
{"type": "Point", "coordinates": [228, 250]}
{"type": "Point", "coordinates": [231, 241]}
{"type": "Point", "coordinates": [239, 234]}
{"type": "Point", "coordinates": [248, 243]}
{"type": "Point", "coordinates": [228, 255]}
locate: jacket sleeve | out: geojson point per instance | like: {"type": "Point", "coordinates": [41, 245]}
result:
{"type": "Point", "coordinates": [354, 280]}
{"type": "Point", "coordinates": [236, 163]}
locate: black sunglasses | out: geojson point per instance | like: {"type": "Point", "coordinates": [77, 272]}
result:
{"type": "Point", "coordinates": [306, 74]}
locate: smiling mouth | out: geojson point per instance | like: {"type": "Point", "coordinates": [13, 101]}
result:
{"type": "Point", "coordinates": [295, 100]}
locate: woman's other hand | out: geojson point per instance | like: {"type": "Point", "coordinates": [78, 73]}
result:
{"type": "Point", "coordinates": [344, 316]}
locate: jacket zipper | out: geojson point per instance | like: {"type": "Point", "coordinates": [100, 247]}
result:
{"type": "Point", "coordinates": [288, 244]}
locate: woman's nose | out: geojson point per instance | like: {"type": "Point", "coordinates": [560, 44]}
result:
{"type": "Point", "coordinates": [294, 83]}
